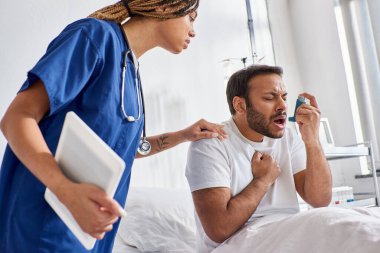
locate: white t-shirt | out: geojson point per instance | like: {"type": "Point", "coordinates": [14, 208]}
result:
{"type": "Point", "coordinates": [214, 163]}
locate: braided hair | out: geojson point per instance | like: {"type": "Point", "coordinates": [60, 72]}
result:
{"type": "Point", "coordinates": [123, 9]}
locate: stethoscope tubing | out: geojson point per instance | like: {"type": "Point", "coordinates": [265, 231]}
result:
{"type": "Point", "coordinates": [139, 92]}
{"type": "Point", "coordinates": [144, 147]}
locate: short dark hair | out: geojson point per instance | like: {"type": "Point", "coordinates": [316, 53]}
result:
{"type": "Point", "coordinates": [238, 83]}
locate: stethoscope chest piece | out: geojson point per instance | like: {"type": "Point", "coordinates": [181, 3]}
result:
{"type": "Point", "coordinates": [144, 146]}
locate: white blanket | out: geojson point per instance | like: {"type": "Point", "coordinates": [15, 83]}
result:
{"type": "Point", "coordinates": [322, 230]}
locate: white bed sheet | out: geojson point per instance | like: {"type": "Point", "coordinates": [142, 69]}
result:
{"type": "Point", "coordinates": [158, 220]}
{"type": "Point", "coordinates": [125, 249]}
{"type": "Point", "coordinates": [121, 247]}
{"type": "Point", "coordinates": [327, 230]}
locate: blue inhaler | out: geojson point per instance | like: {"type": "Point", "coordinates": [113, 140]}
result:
{"type": "Point", "coordinates": [300, 100]}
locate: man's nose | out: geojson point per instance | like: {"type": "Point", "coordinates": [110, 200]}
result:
{"type": "Point", "coordinates": [282, 105]}
{"type": "Point", "coordinates": [192, 33]}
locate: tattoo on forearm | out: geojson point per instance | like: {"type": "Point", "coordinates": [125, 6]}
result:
{"type": "Point", "coordinates": [161, 143]}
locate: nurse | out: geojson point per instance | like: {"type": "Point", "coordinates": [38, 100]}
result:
{"type": "Point", "coordinates": [83, 71]}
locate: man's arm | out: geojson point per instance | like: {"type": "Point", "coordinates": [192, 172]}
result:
{"type": "Point", "coordinates": [222, 215]}
{"type": "Point", "coordinates": [199, 130]}
{"type": "Point", "coordinates": [314, 184]}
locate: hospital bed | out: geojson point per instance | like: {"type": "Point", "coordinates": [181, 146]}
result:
{"type": "Point", "coordinates": [158, 220]}
{"type": "Point", "coordinates": [162, 220]}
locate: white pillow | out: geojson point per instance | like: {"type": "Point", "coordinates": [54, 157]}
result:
{"type": "Point", "coordinates": [159, 219]}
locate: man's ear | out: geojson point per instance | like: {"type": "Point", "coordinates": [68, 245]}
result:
{"type": "Point", "coordinates": [239, 104]}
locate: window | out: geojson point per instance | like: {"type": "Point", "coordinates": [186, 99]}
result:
{"type": "Point", "coordinates": [361, 63]}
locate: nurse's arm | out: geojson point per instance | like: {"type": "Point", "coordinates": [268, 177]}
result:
{"type": "Point", "coordinates": [199, 130]}
{"type": "Point", "coordinates": [20, 127]}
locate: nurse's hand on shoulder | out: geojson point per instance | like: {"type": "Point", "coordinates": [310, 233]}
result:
{"type": "Point", "coordinates": [94, 211]}
{"type": "Point", "coordinates": [203, 129]}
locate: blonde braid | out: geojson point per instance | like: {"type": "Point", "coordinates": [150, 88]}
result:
{"type": "Point", "coordinates": [173, 9]}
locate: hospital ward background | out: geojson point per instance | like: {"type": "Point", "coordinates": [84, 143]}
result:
{"type": "Point", "coordinates": [329, 48]}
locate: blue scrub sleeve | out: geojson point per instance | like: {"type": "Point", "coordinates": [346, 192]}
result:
{"type": "Point", "coordinates": [69, 64]}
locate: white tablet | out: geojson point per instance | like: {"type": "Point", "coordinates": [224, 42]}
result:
{"type": "Point", "coordinates": [84, 157]}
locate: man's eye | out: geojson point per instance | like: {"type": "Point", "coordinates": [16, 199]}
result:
{"type": "Point", "coordinates": [193, 16]}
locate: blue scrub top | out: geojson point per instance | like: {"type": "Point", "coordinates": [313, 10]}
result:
{"type": "Point", "coordinates": [81, 71]}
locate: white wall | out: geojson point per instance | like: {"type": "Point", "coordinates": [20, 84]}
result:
{"type": "Point", "coordinates": [374, 7]}
{"type": "Point", "coordinates": [307, 46]}
{"type": "Point", "coordinates": [26, 29]}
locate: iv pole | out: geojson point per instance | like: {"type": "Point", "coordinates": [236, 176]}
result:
{"type": "Point", "coordinates": [251, 32]}
{"type": "Point", "coordinates": [251, 36]}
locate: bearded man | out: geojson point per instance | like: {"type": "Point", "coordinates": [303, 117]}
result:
{"type": "Point", "coordinates": [259, 169]}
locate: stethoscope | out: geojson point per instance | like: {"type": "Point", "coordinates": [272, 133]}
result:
{"type": "Point", "coordinates": [144, 147]}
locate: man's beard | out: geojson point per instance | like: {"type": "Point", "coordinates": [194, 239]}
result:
{"type": "Point", "coordinates": [260, 124]}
